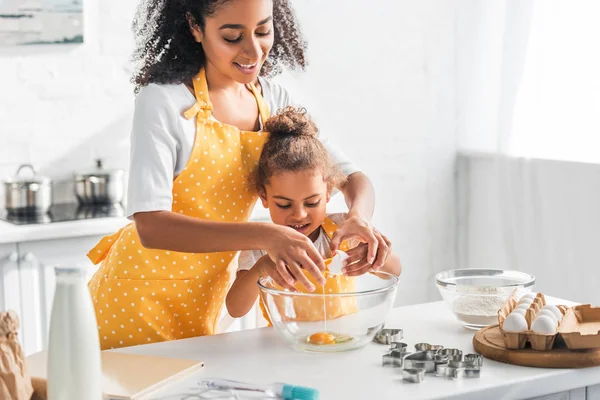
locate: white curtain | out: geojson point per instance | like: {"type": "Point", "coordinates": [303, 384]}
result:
{"type": "Point", "coordinates": [528, 93]}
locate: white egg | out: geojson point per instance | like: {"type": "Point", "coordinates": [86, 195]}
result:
{"type": "Point", "coordinates": [554, 310]}
{"type": "Point", "coordinates": [526, 301]}
{"type": "Point", "coordinates": [529, 296]}
{"type": "Point", "coordinates": [523, 306]}
{"type": "Point", "coordinates": [519, 311]}
{"type": "Point", "coordinates": [337, 262]}
{"type": "Point", "coordinates": [544, 324]}
{"type": "Point", "coordinates": [548, 313]}
{"type": "Point", "coordinates": [514, 323]}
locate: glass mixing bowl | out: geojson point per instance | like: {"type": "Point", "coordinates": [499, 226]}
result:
{"type": "Point", "coordinates": [476, 295]}
{"type": "Point", "coordinates": [330, 322]}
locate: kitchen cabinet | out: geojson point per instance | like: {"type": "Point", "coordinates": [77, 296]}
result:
{"type": "Point", "coordinates": [593, 392]}
{"type": "Point", "coordinates": [575, 394]}
{"type": "Point", "coordinates": [27, 281]}
{"type": "Point", "coordinates": [10, 298]}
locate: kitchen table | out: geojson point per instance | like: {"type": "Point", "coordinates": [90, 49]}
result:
{"type": "Point", "coordinates": [260, 356]}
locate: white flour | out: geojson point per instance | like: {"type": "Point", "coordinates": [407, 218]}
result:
{"type": "Point", "coordinates": [479, 310]}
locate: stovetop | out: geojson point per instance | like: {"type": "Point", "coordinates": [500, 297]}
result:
{"type": "Point", "coordinates": [66, 212]}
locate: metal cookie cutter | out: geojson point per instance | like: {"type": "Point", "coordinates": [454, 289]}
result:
{"type": "Point", "coordinates": [461, 369]}
{"type": "Point", "coordinates": [420, 360]}
{"type": "Point", "coordinates": [387, 336]}
{"type": "Point", "coordinates": [476, 360]}
{"type": "Point", "coordinates": [451, 354]}
{"type": "Point", "coordinates": [442, 370]}
{"type": "Point", "coordinates": [415, 375]}
{"type": "Point", "coordinates": [428, 347]}
{"type": "Point", "coordinates": [399, 346]}
{"type": "Point", "coordinates": [395, 358]}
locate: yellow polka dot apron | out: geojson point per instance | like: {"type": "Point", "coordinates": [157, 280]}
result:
{"type": "Point", "coordinates": [144, 296]}
{"type": "Point", "coordinates": [311, 309]}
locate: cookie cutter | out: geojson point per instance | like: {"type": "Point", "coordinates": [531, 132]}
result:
{"type": "Point", "coordinates": [462, 369]}
{"type": "Point", "coordinates": [420, 360]}
{"type": "Point", "coordinates": [476, 360]}
{"type": "Point", "coordinates": [451, 354]}
{"type": "Point", "coordinates": [428, 347]}
{"type": "Point", "coordinates": [440, 359]}
{"type": "Point", "coordinates": [393, 359]}
{"type": "Point", "coordinates": [442, 370]}
{"type": "Point", "coordinates": [387, 336]}
{"type": "Point", "coordinates": [415, 375]}
{"type": "Point", "coordinates": [399, 346]}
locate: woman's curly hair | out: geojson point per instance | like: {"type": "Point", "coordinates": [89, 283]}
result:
{"type": "Point", "coordinates": [293, 146]}
{"type": "Point", "coordinates": [166, 51]}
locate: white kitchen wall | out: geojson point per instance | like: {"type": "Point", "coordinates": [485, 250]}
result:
{"type": "Point", "coordinates": [547, 225]}
{"type": "Point", "coordinates": [62, 106]}
{"type": "Point", "coordinates": [381, 83]}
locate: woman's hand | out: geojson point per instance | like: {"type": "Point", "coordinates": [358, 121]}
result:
{"type": "Point", "coordinates": [290, 252]}
{"type": "Point", "coordinates": [375, 248]}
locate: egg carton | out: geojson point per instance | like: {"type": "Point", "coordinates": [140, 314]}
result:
{"type": "Point", "coordinates": [518, 340]}
{"type": "Point", "coordinates": [581, 327]}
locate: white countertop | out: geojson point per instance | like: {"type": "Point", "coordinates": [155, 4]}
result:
{"type": "Point", "coordinates": [10, 233]}
{"type": "Point", "coordinates": [260, 356]}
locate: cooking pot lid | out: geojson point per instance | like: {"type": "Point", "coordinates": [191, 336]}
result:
{"type": "Point", "coordinates": [24, 178]}
{"type": "Point", "coordinates": [98, 171]}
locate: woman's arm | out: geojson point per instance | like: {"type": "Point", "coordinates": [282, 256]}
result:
{"type": "Point", "coordinates": [392, 265]}
{"type": "Point", "coordinates": [166, 230]}
{"type": "Point", "coordinates": [356, 263]}
{"type": "Point", "coordinates": [287, 248]}
{"type": "Point", "coordinates": [360, 198]}
{"type": "Point", "coordinates": [359, 195]}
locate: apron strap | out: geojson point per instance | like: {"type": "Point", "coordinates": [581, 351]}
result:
{"type": "Point", "coordinates": [203, 106]}
{"type": "Point", "coordinates": [100, 251]}
{"type": "Point", "coordinates": [263, 108]}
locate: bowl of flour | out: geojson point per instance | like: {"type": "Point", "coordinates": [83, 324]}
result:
{"type": "Point", "coordinates": [475, 295]}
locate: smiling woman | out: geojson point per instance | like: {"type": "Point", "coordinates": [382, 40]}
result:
{"type": "Point", "coordinates": [202, 100]}
{"type": "Point", "coordinates": [170, 54]}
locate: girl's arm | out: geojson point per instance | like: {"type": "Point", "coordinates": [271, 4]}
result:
{"type": "Point", "coordinates": [243, 293]}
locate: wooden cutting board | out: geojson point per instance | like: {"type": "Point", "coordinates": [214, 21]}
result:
{"type": "Point", "coordinates": [489, 343]}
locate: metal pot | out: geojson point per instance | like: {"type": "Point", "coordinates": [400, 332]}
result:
{"type": "Point", "coordinates": [100, 186]}
{"type": "Point", "coordinates": [32, 195]}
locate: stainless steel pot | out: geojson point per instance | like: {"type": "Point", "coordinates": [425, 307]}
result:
{"type": "Point", "coordinates": [99, 186]}
{"type": "Point", "coordinates": [27, 195]}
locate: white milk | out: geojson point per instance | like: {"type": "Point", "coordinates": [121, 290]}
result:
{"type": "Point", "coordinates": [74, 366]}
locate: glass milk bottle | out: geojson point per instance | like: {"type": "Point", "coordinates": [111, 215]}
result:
{"type": "Point", "coordinates": [74, 366]}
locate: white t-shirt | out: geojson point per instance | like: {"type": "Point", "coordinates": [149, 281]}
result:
{"type": "Point", "coordinates": [248, 258]}
{"type": "Point", "coordinates": [162, 140]}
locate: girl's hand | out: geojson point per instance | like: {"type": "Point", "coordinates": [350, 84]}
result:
{"type": "Point", "coordinates": [290, 252]}
{"type": "Point", "coordinates": [378, 246]}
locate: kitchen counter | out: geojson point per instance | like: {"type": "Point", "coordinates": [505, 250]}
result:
{"type": "Point", "coordinates": [10, 233]}
{"type": "Point", "coordinates": [260, 356]}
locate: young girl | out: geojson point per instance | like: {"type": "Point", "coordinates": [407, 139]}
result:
{"type": "Point", "coordinates": [202, 99]}
{"type": "Point", "coordinates": [294, 180]}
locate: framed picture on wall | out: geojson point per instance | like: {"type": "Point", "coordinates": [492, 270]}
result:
{"type": "Point", "coordinates": [28, 22]}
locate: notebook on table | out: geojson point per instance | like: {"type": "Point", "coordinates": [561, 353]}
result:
{"type": "Point", "coordinates": [125, 376]}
